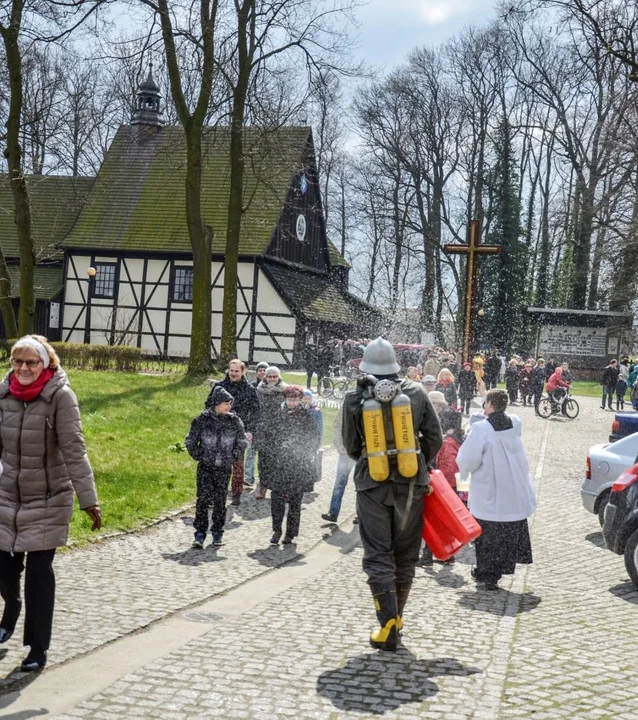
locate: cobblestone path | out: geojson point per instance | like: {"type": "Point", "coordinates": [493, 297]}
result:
{"type": "Point", "coordinates": [557, 641]}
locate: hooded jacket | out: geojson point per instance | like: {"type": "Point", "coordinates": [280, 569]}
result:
{"type": "Point", "coordinates": [44, 461]}
{"type": "Point", "coordinates": [216, 440]}
{"type": "Point", "coordinates": [245, 400]}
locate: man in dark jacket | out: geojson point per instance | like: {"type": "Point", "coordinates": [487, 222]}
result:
{"type": "Point", "coordinates": [390, 512]}
{"type": "Point", "coordinates": [492, 370]}
{"type": "Point", "coordinates": [246, 406]}
{"type": "Point", "coordinates": [608, 381]}
{"type": "Point", "coordinates": [216, 440]}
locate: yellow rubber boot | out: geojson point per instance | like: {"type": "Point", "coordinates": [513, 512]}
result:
{"type": "Point", "coordinates": [386, 637]}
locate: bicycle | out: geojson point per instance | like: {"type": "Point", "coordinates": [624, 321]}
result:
{"type": "Point", "coordinates": [549, 406]}
{"type": "Point", "coordinates": [335, 385]}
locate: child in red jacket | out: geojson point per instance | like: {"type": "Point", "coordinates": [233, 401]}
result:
{"type": "Point", "coordinates": [452, 440]}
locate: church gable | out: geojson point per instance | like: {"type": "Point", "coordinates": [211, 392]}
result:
{"type": "Point", "coordinates": [300, 235]}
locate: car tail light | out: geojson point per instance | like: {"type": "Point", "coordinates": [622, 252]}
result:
{"type": "Point", "coordinates": [629, 477]}
{"type": "Point", "coordinates": [588, 469]}
{"type": "Point", "coordinates": [615, 426]}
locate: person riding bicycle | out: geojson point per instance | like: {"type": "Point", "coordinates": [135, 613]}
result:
{"type": "Point", "coordinates": [557, 388]}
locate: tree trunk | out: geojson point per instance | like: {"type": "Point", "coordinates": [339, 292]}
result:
{"type": "Point", "coordinates": [582, 245]}
{"type": "Point", "coordinates": [6, 306]}
{"type": "Point", "coordinates": [201, 243]}
{"type": "Point", "coordinates": [228, 349]}
{"type": "Point", "coordinates": [10, 36]}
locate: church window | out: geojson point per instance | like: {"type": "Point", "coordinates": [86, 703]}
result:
{"type": "Point", "coordinates": [183, 284]}
{"type": "Point", "coordinates": [104, 281]}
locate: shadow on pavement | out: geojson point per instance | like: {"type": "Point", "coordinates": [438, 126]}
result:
{"type": "Point", "coordinates": [380, 682]}
{"type": "Point", "coordinates": [6, 700]}
{"type": "Point", "coordinates": [335, 536]}
{"type": "Point", "coordinates": [445, 577]}
{"type": "Point", "coordinates": [625, 591]}
{"type": "Point", "coordinates": [500, 602]}
{"type": "Point", "coordinates": [276, 555]}
{"type": "Point", "coordinates": [596, 538]}
{"type": "Point", "coordinates": [194, 557]}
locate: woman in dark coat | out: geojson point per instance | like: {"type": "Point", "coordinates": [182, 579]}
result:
{"type": "Point", "coordinates": [467, 387]}
{"type": "Point", "coordinates": [511, 381]}
{"type": "Point", "coordinates": [296, 440]}
{"type": "Point", "coordinates": [270, 393]}
{"type": "Point", "coordinates": [525, 381]}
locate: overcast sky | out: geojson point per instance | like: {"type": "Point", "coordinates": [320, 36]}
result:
{"type": "Point", "coordinates": [389, 29]}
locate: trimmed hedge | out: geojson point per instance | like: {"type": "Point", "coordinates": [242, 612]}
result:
{"type": "Point", "coordinates": [98, 357]}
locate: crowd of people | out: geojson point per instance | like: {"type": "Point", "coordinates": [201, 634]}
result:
{"type": "Point", "coordinates": [278, 428]}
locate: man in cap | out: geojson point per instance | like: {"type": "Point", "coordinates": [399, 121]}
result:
{"type": "Point", "coordinates": [390, 512]}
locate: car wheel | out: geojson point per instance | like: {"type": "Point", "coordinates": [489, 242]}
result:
{"type": "Point", "coordinates": [631, 558]}
{"type": "Point", "coordinates": [602, 504]}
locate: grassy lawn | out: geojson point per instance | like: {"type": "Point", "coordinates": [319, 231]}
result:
{"type": "Point", "coordinates": [130, 421]}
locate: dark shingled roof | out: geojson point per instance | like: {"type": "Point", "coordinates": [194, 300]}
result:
{"type": "Point", "coordinates": [55, 203]}
{"type": "Point", "coordinates": [48, 282]}
{"type": "Point", "coordinates": [138, 204]}
{"type": "Point", "coordinates": [336, 258]}
{"type": "Point", "coordinates": [315, 297]}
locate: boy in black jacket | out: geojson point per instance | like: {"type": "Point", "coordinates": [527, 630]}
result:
{"type": "Point", "coordinates": [216, 440]}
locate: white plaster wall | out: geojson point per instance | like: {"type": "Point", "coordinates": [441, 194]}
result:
{"type": "Point", "coordinates": [268, 298]}
{"type": "Point", "coordinates": [135, 267]}
{"type": "Point", "coordinates": [158, 269]}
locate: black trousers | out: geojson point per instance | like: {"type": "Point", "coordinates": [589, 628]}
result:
{"type": "Point", "coordinates": [278, 500]}
{"type": "Point", "coordinates": [466, 404]}
{"type": "Point", "coordinates": [538, 393]}
{"type": "Point", "coordinates": [212, 488]}
{"type": "Point", "coordinates": [39, 595]}
{"type": "Point", "coordinates": [390, 553]}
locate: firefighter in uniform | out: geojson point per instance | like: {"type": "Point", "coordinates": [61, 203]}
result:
{"type": "Point", "coordinates": [392, 431]}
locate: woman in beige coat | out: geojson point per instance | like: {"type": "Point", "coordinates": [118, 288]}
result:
{"type": "Point", "coordinates": [44, 461]}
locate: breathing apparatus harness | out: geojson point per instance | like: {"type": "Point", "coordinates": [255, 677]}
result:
{"type": "Point", "coordinates": [388, 430]}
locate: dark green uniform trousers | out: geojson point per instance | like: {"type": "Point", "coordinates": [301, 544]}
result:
{"type": "Point", "coordinates": [391, 541]}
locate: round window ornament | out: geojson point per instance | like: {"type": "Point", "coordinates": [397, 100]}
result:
{"type": "Point", "coordinates": [301, 228]}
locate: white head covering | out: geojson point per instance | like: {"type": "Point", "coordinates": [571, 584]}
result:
{"type": "Point", "coordinates": [273, 370]}
{"type": "Point", "coordinates": [36, 345]}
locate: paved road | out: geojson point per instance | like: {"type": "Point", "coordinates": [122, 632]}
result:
{"type": "Point", "coordinates": [558, 641]}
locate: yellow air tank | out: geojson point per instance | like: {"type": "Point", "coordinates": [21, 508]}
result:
{"type": "Point", "coordinates": [376, 444]}
{"type": "Point", "coordinates": [404, 440]}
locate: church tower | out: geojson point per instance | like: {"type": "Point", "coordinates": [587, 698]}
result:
{"type": "Point", "coordinates": [148, 110]}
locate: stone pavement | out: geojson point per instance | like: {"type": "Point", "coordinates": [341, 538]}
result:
{"type": "Point", "coordinates": [123, 584]}
{"type": "Point", "coordinates": [557, 641]}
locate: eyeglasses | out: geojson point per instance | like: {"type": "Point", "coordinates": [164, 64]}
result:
{"type": "Point", "coordinates": [29, 363]}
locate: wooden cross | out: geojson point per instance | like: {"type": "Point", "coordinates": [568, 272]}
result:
{"type": "Point", "coordinates": [472, 249]}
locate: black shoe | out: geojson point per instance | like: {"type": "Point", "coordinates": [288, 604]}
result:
{"type": "Point", "coordinates": [491, 586]}
{"type": "Point", "coordinates": [218, 539]}
{"type": "Point", "coordinates": [34, 661]}
{"type": "Point", "coordinates": [274, 540]}
{"type": "Point", "coordinates": [287, 540]}
{"type": "Point", "coordinates": [355, 520]}
{"type": "Point", "coordinates": [5, 634]}
{"type": "Point", "coordinates": [236, 500]}
{"type": "Point", "coordinates": [426, 559]}
{"type": "Point", "coordinates": [329, 517]}
{"type": "Point", "coordinates": [198, 542]}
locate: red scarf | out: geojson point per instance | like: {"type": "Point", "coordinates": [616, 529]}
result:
{"type": "Point", "coordinates": [26, 393]}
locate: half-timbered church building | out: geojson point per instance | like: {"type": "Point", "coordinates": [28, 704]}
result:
{"type": "Point", "coordinates": [128, 268]}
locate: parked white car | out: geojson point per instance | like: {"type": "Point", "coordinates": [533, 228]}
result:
{"type": "Point", "coordinates": [605, 463]}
